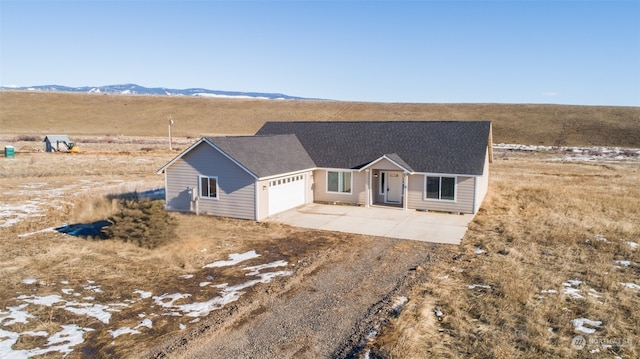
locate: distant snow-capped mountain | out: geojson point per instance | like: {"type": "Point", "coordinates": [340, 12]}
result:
{"type": "Point", "coordinates": [133, 89]}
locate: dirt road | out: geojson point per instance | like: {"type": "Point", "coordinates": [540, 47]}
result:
{"type": "Point", "coordinates": [326, 310]}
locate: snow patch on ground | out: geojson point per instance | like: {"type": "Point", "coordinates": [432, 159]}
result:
{"type": "Point", "coordinates": [62, 342]}
{"type": "Point", "coordinates": [124, 330]}
{"type": "Point", "coordinates": [572, 282]}
{"type": "Point", "coordinates": [146, 323]}
{"type": "Point", "coordinates": [47, 300]}
{"type": "Point", "coordinates": [255, 270]}
{"type": "Point", "coordinates": [573, 293]}
{"type": "Point", "coordinates": [631, 285]}
{"type": "Point", "coordinates": [600, 238]}
{"type": "Point", "coordinates": [142, 293]}
{"type": "Point", "coordinates": [570, 290]}
{"type": "Point", "coordinates": [176, 304]}
{"type": "Point", "coordinates": [95, 310]}
{"type": "Point", "coordinates": [15, 315]}
{"type": "Point", "coordinates": [227, 295]}
{"type": "Point", "coordinates": [11, 214]}
{"type": "Point", "coordinates": [585, 154]}
{"type": "Point", "coordinates": [623, 263]}
{"type": "Point", "coordinates": [234, 259]}
{"type": "Point", "coordinates": [579, 325]}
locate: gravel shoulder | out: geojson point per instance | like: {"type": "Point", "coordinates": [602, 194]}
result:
{"type": "Point", "coordinates": [326, 310]}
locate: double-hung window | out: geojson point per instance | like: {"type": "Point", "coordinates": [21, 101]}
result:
{"type": "Point", "coordinates": [339, 181]}
{"type": "Point", "coordinates": [441, 188]}
{"type": "Point", "coordinates": [209, 187]}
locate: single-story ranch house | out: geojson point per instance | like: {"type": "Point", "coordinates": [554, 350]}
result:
{"type": "Point", "coordinates": [424, 165]}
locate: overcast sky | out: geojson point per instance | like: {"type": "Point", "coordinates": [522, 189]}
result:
{"type": "Point", "coordinates": [567, 52]}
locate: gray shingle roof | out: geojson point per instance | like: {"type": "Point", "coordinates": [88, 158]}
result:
{"type": "Point", "coordinates": [266, 155]}
{"type": "Point", "coordinates": [452, 147]}
{"type": "Point", "coordinates": [56, 138]}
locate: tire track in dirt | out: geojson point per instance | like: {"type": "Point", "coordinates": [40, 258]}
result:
{"type": "Point", "coordinates": [325, 310]}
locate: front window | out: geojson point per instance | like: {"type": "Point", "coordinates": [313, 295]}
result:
{"type": "Point", "coordinates": [339, 181]}
{"type": "Point", "coordinates": [208, 187]}
{"type": "Point", "coordinates": [443, 188]}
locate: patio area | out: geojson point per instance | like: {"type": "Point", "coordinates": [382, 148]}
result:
{"type": "Point", "coordinates": [379, 221]}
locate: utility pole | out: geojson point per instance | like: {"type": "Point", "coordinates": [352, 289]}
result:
{"type": "Point", "coordinates": [170, 139]}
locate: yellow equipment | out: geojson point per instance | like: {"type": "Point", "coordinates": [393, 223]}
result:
{"type": "Point", "coordinates": [71, 147]}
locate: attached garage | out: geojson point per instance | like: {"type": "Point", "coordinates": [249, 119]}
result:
{"type": "Point", "coordinates": [249, 177]}
{"type": "Point", "coordinates": [286, 193]}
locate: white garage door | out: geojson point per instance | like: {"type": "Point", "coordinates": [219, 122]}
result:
{"type": "Point", "coordinates": [286, 193]}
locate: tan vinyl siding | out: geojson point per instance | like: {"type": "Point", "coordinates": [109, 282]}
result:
{"type": "Point", "coordinates": [236, 195]}
{"type": "Point", "coordinates": [358, 194]}
{"type": "Point", "coordinates": [386, 165]}
{"type": "Point", "coordinates": [464, 202]}
{"type": "Point", "coordinates": [482, 185]}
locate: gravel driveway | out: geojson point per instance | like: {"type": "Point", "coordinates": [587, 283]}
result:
{"type": "Point", "coordinates": [326, 310]}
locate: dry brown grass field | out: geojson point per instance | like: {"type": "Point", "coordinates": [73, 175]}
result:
{"type": "Point", "coordinates": [555, 240]}
{"type": "Point", "coordinates": [507, 291]}
{"type": "Point", "coordinates": [28, 113]}
{"type": "Point", "coordinates": [39, 191]}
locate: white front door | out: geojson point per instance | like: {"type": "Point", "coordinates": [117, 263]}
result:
{"type": "Point", "coordinates": [393, 193]}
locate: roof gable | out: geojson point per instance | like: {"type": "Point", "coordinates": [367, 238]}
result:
{"type": "Point", "coordinates": [392, 158]}
{"type": "Point", "coordinates": [453, 147]}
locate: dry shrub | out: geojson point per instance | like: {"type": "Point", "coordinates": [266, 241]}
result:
{"type": "Point", "coordinates": [27, 138]}
{"type": "Point", "coordinates": [142, 222]}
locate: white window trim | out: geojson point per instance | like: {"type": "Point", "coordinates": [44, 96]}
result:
{"type": "Point", "coordinates": [339, 181]}
{"type": "Point", "coordinates": [455, 189]}
{"type": "Point", "coordinates": [200, 188]}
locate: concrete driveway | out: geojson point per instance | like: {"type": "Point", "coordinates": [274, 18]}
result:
{"type": "Point", "coordinates": [379, 221]}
